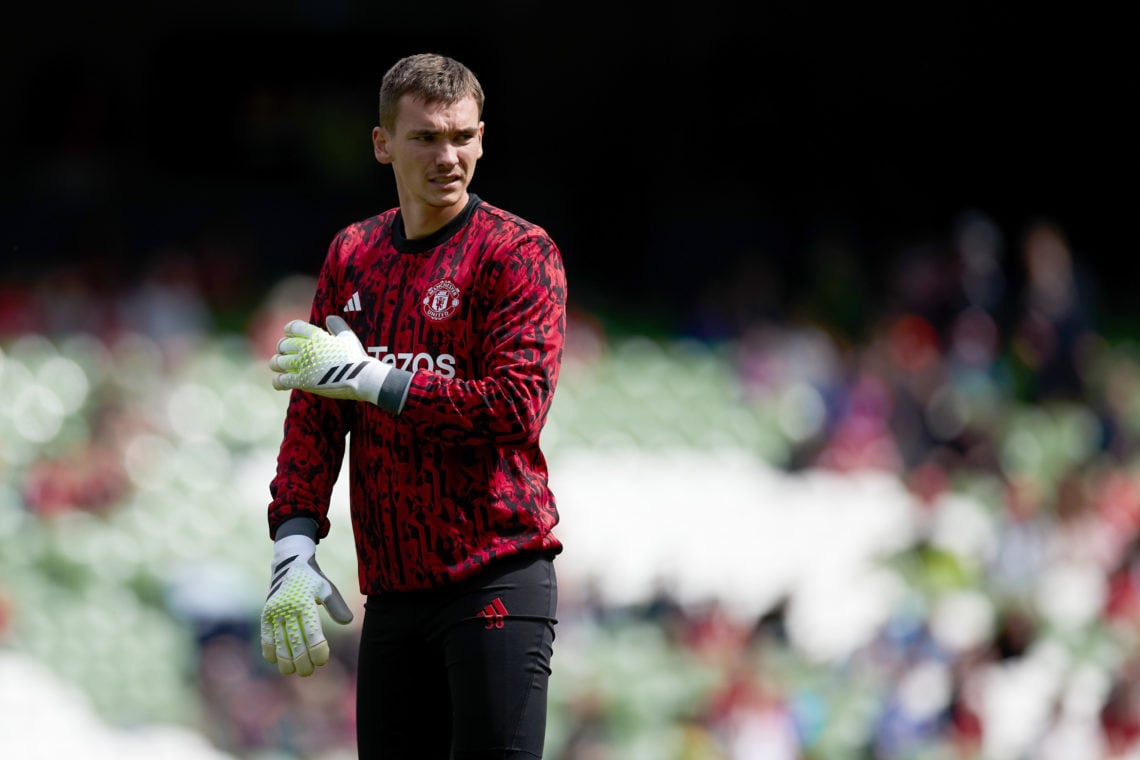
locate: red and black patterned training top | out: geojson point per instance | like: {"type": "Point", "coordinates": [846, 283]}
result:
{"type": "Point", "coordinates": [478, 312]}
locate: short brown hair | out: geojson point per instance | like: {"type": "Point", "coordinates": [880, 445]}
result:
{"type": "Point", "coordinates": [430, 77]}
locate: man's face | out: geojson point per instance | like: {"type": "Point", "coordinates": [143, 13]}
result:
{"type": "Point", "coordinates": [432, 150]}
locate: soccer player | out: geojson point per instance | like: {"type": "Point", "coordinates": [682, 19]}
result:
{"type": "Point", "coordinates": [434, 344]}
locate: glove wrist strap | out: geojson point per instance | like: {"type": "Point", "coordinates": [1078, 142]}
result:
{"type": "Point", "coordinates": [393, 391]}
{"type": "Point", "coordinates": [305, 526]}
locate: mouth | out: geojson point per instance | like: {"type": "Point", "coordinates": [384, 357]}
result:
{"type": "Point", "coordinates": [451, 179]}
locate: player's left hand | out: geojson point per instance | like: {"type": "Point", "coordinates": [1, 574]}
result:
{"type": "Point", "coordinates": [330, 363]}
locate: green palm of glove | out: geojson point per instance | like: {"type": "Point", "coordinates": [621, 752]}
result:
{"type": "Point", "coordinates": [330, 363]}
{"type": "Point", "coordinates": [291, 632]}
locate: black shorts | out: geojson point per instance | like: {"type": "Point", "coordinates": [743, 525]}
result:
{"type": "Point", "coordinates": [459, 673]}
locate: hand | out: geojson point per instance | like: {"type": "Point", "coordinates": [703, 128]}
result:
{"type": "Point", "coordinates": [291, 633]}
{"type": "Point", "coordinates": [329, 363]}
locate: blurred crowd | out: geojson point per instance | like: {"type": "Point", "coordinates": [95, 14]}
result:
{"type": "Point", "coordinates": [983, 369]}
{"type": "Point", "coordinates": [979, 372]}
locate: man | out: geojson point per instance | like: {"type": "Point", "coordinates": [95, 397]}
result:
{"type": "Point", "coordinates": [445, 326]}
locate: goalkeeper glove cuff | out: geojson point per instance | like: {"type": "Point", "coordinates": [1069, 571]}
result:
{"type": "Point", "coordinates": [394, 390]}
{"type": "Point", "coordinates": [305, 526]}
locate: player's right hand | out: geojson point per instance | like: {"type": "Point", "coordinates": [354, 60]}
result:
{"type": "Point", "coordinates": [291, 633]}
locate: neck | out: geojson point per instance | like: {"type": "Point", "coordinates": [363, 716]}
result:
{"type": "Point", "coordinates": [421, 220]}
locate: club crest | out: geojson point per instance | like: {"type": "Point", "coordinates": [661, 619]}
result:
{"type": "Point", "coordinates": [441, 300]}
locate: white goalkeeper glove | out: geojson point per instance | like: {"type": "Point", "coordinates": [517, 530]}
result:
{"type": "Point", "coordinates": [329, 363]}
{"type": "Point", "coordinates": [291, 633]}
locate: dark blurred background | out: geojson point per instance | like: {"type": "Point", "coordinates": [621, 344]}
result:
{"type": "Point", "coordinates": [673, 150]}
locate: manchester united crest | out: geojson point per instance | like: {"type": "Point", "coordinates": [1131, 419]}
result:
{"type": "Point", "coordinates": [441, 300]}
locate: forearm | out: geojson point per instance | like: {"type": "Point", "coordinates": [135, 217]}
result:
{"type": "Point", "coordinates": [308, 461]}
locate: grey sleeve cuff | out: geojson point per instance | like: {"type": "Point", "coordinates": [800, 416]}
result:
{"type": "Point", "coordinates": [305, 526]}
{"type": "Point", "coordinates": [394, 391]}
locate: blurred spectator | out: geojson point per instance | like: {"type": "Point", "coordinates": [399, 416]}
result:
{"type": "Point", "coordinates": [1120, 714]}
{"type": "Point", "coordinates": [167, 304]}
{"type": "Point", "coordinates": [1057, 316]}
{"type": "Point", "coordinates": [979, 246]}
{"type": "Point", "coordinates": [750, 718]}
{"type": "Point", "coordinates": [289, 298]}
{"type": "Point", "coordinates": [589, 736]}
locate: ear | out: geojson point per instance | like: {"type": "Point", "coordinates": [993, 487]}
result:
{"type": "Point", "coordinates": [380, 145]}
{"type": "Point", "coordinates": [481, 127]}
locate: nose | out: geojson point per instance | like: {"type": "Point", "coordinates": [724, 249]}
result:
{"type": "Point", "coordinates": [448, 154]}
